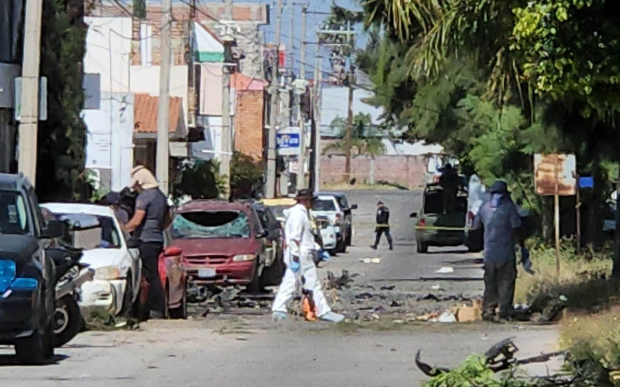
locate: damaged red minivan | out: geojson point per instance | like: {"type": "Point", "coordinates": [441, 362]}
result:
{"type": "Point", "coordinates": [224, 244]}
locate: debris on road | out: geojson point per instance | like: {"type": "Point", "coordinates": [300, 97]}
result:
{"type": "Point", "coordinates": [466, 314]}
{"type": "Point", "coordinates": [344, 281]}
{"type": "Point", "coordinates": [499, 358]}
{"type": "Point", "coordinates": [371, 260]}
{"type": "Point", "coordinates": [445, 270]}
{"type": "Point", "coordinates": [447, 317]}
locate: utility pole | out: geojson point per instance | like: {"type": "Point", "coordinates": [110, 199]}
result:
{"type": "Point", "coordinates": [226, 155]}
{"type": "Point", "coordinates": [291, 48]}
{"type": "Point", "coordinates": [300, 117]}
{"type": "Point", "coordinates": [302, 65]}
{"type": "Point", "coordinates": [347, 167]}
{"type": "Point", "coordinates": [29, 114]}
{"type": "Point", "coordinates": [163, 109]}
{"type": "Point", "coordinates": [271, 152]}
{"type": "Point", "coordinates": [318, 76]}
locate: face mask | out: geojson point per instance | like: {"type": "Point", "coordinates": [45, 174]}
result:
{"type": "Point", "coordinates": [497, 199]}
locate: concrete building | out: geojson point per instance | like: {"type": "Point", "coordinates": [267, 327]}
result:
{"type": "Point", "coordinates": [129, 100]}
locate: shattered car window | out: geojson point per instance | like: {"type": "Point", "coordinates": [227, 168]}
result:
{"type": "Point", "coordinates": [203, 224]}
{"type": "Point", "coordinates": [324, 205]}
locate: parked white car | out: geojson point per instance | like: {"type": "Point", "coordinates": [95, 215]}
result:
{"type": "Point", "coordinates": [328, 233]}
{"type": "Point", "coordinates": [335, 206]}
{"type": "Point", "coordinates": [118, 269]}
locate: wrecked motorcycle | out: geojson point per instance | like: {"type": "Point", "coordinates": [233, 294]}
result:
{"type": "Point", "coordinates": [70, 276]}
{"type": "Point", "coordinates": [500, 357]}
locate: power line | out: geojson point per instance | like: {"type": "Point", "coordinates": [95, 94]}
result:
{"type": "Point", "coordinates": [399, 99]}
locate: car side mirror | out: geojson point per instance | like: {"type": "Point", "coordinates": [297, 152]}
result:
{"type": "Point", "coordinates": [133, 243]}
{"type": "Point", "coordinates": [413, 215]}
{"type": "Point", "coordinates": [173, 251]}
{"type": "Point", "coordinates": [354, 207]}
{"type": "Point", "coordinates": [54, 229]}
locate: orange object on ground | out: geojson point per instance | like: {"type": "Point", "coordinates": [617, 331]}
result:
{"type": "Point", "coordinates": [309, 309]}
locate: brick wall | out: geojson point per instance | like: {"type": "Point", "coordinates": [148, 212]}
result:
{"type": "Point", "coordinates": [403, 170]}
{"type": "Point", "coordinates": [249, 123]}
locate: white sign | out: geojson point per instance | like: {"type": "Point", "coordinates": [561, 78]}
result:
{"type": "Point", "coordinates": [42, 99]}
{"type": "Point", "coordinates": [99, 152]}
{"type": "Point", "coordinates": [288, 141]}
{"type": "Point", "coordinates": [293, 166]}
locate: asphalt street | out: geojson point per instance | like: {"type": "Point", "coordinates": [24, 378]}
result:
{"type": "Point", "coordinates": [246, 349]}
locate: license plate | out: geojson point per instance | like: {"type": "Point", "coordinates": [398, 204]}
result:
{"type": "Point", "coordinates": [206, 273]}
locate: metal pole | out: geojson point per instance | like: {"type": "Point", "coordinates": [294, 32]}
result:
{"type": "Point", "coordinates": [225, 157]}
{"type": "Point", "coordinates": [271, 152]}
{"type": "Point", "coordinates": [291, 49]}
{"type": "Point", "coordinates": [29, 109]}
{"type": "Point", "coordinates": [556, 215]}
{"type": "Point", "coordinates": [163, 113]}
{"type": "Point", "coordinates": [302, 65]}
{"type": "Point", "coordinates": [300, 117]}
{"type": "Point", "coordinates": [347, 167]}
{"type": "Point", "coordinates": [318, 76]}
{"type": "Point", "coordinates": [578, 206]}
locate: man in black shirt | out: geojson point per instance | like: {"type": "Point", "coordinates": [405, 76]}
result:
{"type": "Point", "coordinates": [383, 225]}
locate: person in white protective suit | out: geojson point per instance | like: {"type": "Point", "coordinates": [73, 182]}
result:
{"type": "Point", "coordinates": [298, 259]}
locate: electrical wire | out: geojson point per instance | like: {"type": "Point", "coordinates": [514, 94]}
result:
{"type": "Point", "coordinates": [411, 103]}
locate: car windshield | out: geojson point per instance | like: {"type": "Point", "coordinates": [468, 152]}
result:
{"type": "Point", "coordinates": [109, 238]}
{"type": "Point", "coordinates": [13, 214]}
{"type": "Point", "coordinates": [278, 211]}
{"type": "Point", "coordinates": [323, 205]}
{"type": "Point", "coordinates": [211, 224]}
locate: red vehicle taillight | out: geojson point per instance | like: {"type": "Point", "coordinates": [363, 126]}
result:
{"type": "Point", "coordinates": [422, 223]}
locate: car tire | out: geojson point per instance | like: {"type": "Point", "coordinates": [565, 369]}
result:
{"type": "Point", "coordinates": [349, 239]}
{"type": "Point", "coordinates": [341, 247]}
{"type": "Point", "coordinates": [272, 276]}
{"type": "Point", "coordinates": [422, 248]}
{"type": "Point", "coordinates": [254, 287]}
{"type": "Point", "coordinates": [73, 320]}
{"type": "Point", "coordinates": [129, 307]}
{"type": "Point", "coordinates": [38, 349]}
{"type": "Point", "coordinates": [179, 313]}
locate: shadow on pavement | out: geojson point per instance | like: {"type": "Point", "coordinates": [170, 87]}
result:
{"type": "Point", "coordinates": [447, 252]}
{"type": "Point", "coordinates": [11, 360]}
{"type": "Point", "coordinates": [468, 261]}
{"type": "Point", "coordinates": [428, 279]}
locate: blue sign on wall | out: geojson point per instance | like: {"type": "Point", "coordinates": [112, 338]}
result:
{"type": "Point", "coordinates": [586, 182]}
{"type": "Point", "coordinates": [288, 143]}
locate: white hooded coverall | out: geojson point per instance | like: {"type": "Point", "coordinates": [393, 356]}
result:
{"type": "Point", "coordinates": [297, 229]}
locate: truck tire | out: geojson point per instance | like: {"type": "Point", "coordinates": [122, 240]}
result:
{"type": "Point", "coordinates": [422, 248]}
{"type": "Point", "coordinates": [38, 349]}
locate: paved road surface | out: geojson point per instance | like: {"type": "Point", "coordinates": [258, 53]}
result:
{"type": "Point", "coordinates": [249, 351]}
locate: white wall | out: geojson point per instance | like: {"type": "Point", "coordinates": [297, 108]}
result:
{"type": "Point", "coordinates": [109, 143]}
{"type": "Point", "coordinates": [145, 79]}
{"type": "Point", "coordinates": [108, 52]}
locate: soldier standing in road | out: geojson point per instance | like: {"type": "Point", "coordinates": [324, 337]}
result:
{"type": "Point", "coordinates": [501, 223]}
{"type": "Point", "coordinates": [383, 225]}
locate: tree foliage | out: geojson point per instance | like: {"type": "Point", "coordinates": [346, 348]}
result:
{"type": "Point", "coordinates": [364, 138]}
{"type": "Point", "coordinates": [62, 137]}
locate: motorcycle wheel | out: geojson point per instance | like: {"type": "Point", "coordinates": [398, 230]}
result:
{"type": "Point", "coordinates": [67, 322]}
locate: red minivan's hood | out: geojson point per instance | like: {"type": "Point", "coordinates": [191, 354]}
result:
{"type": "Point", "coordinates": [227, 246]}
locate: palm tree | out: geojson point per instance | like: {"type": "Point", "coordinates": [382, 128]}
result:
{"type": "Point", "coordinates": [437, 30]}
{"type": "Point", "coordinates": [362, 140]}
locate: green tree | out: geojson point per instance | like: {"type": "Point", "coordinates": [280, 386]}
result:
{"type": "Point", "coordinates": [62, 137]}
{"type": "Point", "coordinates": [365, 139]}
